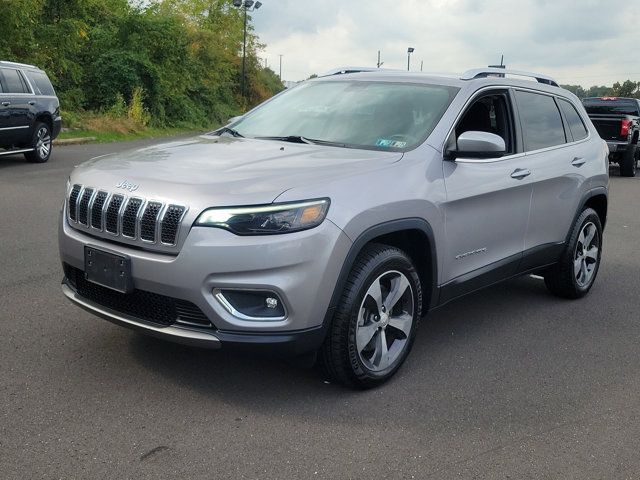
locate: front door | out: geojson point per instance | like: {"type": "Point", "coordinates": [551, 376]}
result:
{"type": "Point", "coordinates": [488, 201]}
{"type": "Point", "coordinates": [15, 110]}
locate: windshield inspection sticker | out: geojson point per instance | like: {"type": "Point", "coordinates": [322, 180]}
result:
{"type": "Point", "coordinates": [382, 142]}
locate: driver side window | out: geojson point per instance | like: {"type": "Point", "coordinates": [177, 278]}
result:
{"type": "Point", "coordinates": [491, 114]}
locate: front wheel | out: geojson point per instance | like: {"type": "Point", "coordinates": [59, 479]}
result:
{"type": "Point", "coordinates": [376, 320]}
{"type": "Point", "coordinates": [574, 274]}
{"type": "Point", "coordinates": [41, 144]}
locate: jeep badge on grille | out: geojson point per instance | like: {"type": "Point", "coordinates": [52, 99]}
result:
{"type": "Point", "coordinates": [127, 185]}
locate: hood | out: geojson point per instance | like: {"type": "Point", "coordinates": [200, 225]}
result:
{"type": "Point", "coordinates": [222, 171]}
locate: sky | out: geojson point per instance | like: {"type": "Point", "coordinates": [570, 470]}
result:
{"type": "Point", "coordinates": [584, 42]}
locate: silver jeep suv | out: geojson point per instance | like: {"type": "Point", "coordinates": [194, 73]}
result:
{"type": "Point", "coordinates": [332, 217]}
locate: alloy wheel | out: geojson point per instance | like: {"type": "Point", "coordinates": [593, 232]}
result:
{"type": "Point", "coordinates": [385, 320]}
{"type": "Point", "coordinates": [43, 144]}
{"type": "Point", "coordinates": [585, 260]}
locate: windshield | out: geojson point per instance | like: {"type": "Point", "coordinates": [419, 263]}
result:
{"type": "Point", "coordinates": [356, 114]}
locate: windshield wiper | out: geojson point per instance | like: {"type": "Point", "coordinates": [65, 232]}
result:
{"type": "Point", "coordinates": [230, 131]}
{"type": "Point", "coordinates": [290, 139]}
{"type": "Point", "coordinates": [301, 139]}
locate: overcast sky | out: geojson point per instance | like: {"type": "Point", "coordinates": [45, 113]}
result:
{"type": "Point", "coordinates": [583, 42]}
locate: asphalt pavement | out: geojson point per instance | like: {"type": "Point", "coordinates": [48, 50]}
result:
{"type": "Point", "coordinates": [507, 383]}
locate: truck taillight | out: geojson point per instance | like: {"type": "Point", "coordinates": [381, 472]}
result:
{"type": "Point", "coordinates": [626, 126]}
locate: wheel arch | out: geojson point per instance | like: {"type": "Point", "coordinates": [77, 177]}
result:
{"type": "Point", "coordinates": [412, 235]}
{"type": "Point", "coordinates": [596, 199]}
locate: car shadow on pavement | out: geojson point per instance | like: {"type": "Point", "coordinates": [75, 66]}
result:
{"type": "Point", "coordinates": [252, 379]}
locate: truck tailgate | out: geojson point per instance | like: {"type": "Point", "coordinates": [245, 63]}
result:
{"type": "Point", "coordinates": [609, 128]}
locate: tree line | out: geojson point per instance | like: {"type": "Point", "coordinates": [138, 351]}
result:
{"type": "Point", "coordinates": [182, 56]}
{"type": "Point", "coordinates": [626, 89]}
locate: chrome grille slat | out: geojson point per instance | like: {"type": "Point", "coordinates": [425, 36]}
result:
{"type": "Point", "coordinates": [135, 219]}
{"type": "Point", "coordinates": [170, 224]}
{"type": "Point", "coordinates": [130, 217]}
{"type": "Point", "coordinates": [97, 208]}
{"type": "Point", "coordinates": [112, 214]}
{"type": "Point", "coordinates": [149, 221]}
{"type": "Point", "coordinates": [83, 206]}
{"type": "Point", "coordinates": [73, 202]}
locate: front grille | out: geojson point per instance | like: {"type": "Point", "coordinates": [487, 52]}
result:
{"type": "Point", "coordinates": [147, 306]}
{"type": "Point", "coordinates": [83, 208]}
{"type": "Point", "coordinates": [96, 210]}
{"type": "Point", "coordinates": [73, 202]}
{"type": "Point", "coordinates": [170, 224]}
{"type": "Point", "coordinates": [113, 213]}
{"type": "Point", "coordinates": [130, 217]}
{"type": "Point", "coordinates": [118, 215]}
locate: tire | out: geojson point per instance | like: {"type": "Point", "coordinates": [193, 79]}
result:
{"type": "Point", "coordinates": [628, 162]}
{"type": "Point", "coordinates": [574, 275]}
{"type": "Point", "coordinates": [347, 356]}
{"type": "Point", "coordinates": [41, 143]}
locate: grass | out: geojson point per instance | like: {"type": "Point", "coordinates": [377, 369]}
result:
{"type": "Point", "coordinates": [106, 128]}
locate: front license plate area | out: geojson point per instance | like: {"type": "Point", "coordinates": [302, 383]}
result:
{"type": "Point", "coordinates": [108, 269]}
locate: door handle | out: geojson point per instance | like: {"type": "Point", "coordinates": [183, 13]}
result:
{"type": "Point", "coordinates": [520, 173]}
{"type": "Point", "coordinates": [6, 104]}
{"type": "Point", "coordinates": [578, 162]}
{"type": "Point", "coordinates": [32, 102]}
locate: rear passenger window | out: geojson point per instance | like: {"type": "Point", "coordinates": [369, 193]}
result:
{"type": "Point", "coordinates": [41, 82]}
{"type": "Point", "coordinates": [541, 121]}
{"type": "Point", "coordinates": [13, 81]}
{"type": "Point", "coordinates": [576, 125]}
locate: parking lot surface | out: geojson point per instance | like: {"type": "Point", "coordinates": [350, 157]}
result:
{"type": "Point", "coordinates": [510, 382]}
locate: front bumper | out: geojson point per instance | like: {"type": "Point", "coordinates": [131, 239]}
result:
{"type": "Point", "coordinates": [302, 268]}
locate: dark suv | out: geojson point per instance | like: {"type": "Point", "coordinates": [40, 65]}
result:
{"type": "Point", "coordinates": [29, 112]}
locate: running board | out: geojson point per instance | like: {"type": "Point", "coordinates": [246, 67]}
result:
{"type": "Point", "coordinates": [22, 150]}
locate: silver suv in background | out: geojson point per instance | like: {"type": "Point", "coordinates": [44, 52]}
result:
{"type": "Point", "coordinates": [334, 216]}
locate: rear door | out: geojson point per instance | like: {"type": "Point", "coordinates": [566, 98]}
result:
{"type": "Point", "coordinates": [15, 102]}
{"type": "Point", "coordinates": [557, 146]}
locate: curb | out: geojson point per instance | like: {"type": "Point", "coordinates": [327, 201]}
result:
{"type": "Point", "coordinates": [74, 141]}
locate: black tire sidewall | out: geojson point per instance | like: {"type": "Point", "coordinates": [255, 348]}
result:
{"type": "Point", "coordinates": [394, 261]}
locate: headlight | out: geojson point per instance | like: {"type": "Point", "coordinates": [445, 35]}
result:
{"type": "Point", "coordinates": [267, 219]}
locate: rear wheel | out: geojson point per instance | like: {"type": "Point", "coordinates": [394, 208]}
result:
{"type": "Point", "coordinates": [376, 320]}
{"type": "Point", "coordinates": [629, 162]}
{"type": "Point", "coordinates": [574, 274]}
{"type": "Point", "coordinates": [41, 144]}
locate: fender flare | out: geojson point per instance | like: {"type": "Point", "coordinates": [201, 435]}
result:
{"type": "Point", "coordinates": [583, 202]}
{"type": "Point", "coordinates": [378, 230]}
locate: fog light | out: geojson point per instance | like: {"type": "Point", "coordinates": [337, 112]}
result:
{"type": "Point", "coordinates": [251, 304]}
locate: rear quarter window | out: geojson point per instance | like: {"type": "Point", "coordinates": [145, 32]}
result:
{"type": "Point", "coordinates": [541, 121]}
{"type": "Point", "coordinates": [576, 125]}
{"type": "Point", "coordinates": [41, 83]}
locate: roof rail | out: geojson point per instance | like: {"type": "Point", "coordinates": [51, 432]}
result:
{"type": "Point", "coordinates": [16, 64]}
{"type": "Point", "coordinates": [501, 72]}
{"type": "Point", "coordinates": [345, 70]}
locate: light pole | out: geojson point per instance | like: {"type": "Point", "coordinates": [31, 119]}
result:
{"type": "Point", "coordinates": [281, 66]}
{"type": "Point", "coordinates": [410, 50]}
{"type": "Point", "coordinates": [246, 5]}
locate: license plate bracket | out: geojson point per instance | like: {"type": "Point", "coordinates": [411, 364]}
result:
{"type": "Point", "coordinates": [108, 269]}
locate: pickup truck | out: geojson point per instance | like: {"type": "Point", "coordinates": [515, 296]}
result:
{"type": "Point", "coordinates": [617, 120]}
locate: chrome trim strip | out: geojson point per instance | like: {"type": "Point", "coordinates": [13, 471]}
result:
{"type": "Point", "coordinates": [229, 308]}
{"type": "Point", "coordinates": [15, 128]}
{"type": "Point", "coordinates": [176, 334]}
{"type": "Point", "coordinates": [11, 152]}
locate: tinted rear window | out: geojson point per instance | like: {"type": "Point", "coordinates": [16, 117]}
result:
{"type": "Point", "coordinates": [541, 121]}
{"type": "Point", "coordinates": [599, 106]}
{"type": "Point", "coordinates": [12, 81]}
{"type": "Point", "coordinates": [41, 83]}
{"type": "Point", "coordinates": [576, 125]}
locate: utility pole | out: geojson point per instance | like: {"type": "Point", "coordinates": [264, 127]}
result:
{"type": "Point", "coordinates": [421, 64]}
{"type": "Point", "coordinates": [410, 50]}
{"type": "Point", "coordinates": [379, 62]}
{"type": "Point", "coordinates": [251, 6]}
{"type": "Point", "coordinates": [280, 66]}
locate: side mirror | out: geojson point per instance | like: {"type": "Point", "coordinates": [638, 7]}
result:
{"type": "Point", "coordinates": [474, 144]}
{"type": "Point", "coordinates": [234, 119]}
